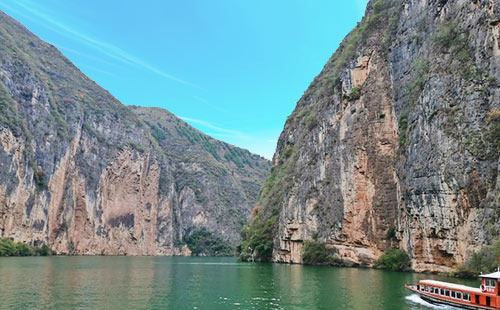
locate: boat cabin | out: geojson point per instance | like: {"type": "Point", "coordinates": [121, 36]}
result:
{"type": "Point", "coordinates": [489, 283]}
{"type": "Point", "coordinates": [490, 289]}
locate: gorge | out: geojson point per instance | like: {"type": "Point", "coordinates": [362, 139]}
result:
{"type": "Point", "coordinates": [394, 144]}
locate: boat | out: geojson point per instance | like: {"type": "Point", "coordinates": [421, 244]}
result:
{"type": "Point", "coordinates": [487, 296]}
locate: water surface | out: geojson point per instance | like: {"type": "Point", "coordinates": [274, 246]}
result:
{"type": "Point", "coordinates": [198, 283]}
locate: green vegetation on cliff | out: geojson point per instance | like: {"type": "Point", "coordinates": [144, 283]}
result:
{"type": "Point", "coordinates": [385, 14]}
{"type": "Point", "coordinates": [395, 260]}
{"type": "Point", "coordinates": [258, 234]}
{"type": "Point", "coordinates": [11, 248]}
{"type": "Point", "coordinates": [201, 242]}
{"type": "Point", "coordinates": [257, 244]}
{"type": "Point", "coordinates": [494, 130]}
{"type": "Point", "coordinates": [315, 252]}
{"type": "Point", "coordinates": [484, 261]}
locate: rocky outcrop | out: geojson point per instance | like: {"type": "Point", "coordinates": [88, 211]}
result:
{"type": "Point", "coordinates": [396, 142]}
{"type": "Point", "coordinates": [87, 175]}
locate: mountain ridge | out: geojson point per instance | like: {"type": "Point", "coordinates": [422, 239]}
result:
{"type": "Point", "coordinates": [87, 175]}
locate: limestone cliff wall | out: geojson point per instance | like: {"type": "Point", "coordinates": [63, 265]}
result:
{"type": "Point", "coordinates": [86, 175]}
{"type": "Point", "coordinates": [396, 142]}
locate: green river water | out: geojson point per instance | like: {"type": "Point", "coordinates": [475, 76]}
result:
{"type": "Point", "coordinates": [198, 283]}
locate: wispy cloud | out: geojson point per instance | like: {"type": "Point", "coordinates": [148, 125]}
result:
{"type": "Point", "coordinates": [256, 143]}
{"type": "Point", "coordinates": [211, 126]}
{"type": "Point", "coordinates": [11, 9]}
{"type": "Point", "coordinates": [75, 52]}
{"type": "Point", "coordinates": [104, 48]}
{"type": "Point", "coordinates": [202, 100]}
{"type": "Point", "coordinates": [219, 135]}
{"type": "Point", "coordinates": [98, 70]}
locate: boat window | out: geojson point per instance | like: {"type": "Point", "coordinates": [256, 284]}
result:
{"type": "Point", "coordinates": [466, 296]}
{"type": "Point", "coordinates": [489, 282]}
{"type": "Point", "coordinates": [459, 295]}
{"type": "Point", "coordinates": [442, 292]}
{"type": "Point", "coordinates": [453, 294]}
{"type": "Point", "coordinates": [447, 293]}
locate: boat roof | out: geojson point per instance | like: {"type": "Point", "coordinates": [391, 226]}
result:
{"type": "Point", "coordinates": [451, 286]}
{"type": "Point", "coordinates": [494, 275]}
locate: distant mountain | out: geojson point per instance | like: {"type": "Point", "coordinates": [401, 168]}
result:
{"type": "Point", "coordinates": [396, 143]}
{"type": "Point", "coordinates": [85, 174]}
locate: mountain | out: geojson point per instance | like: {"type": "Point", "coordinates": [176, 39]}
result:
{"type": "Point", "coordinates": [395, 143]}
{"type": "Point", "coordinates": [85, 174]}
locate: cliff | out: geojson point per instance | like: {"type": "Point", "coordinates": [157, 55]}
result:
{"type": "Point", "coordinates": [395, 143]}
{"type": "Point", "coordinates": [87, 175]}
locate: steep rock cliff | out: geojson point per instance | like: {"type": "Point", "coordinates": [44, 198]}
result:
{"type": "Point", "coordinates": [395, 143]}
{"type": "Point", "coordinates": [88, 175]}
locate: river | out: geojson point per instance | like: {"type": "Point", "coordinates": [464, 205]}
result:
{"type": "Point", "coordinates": [189, 283]}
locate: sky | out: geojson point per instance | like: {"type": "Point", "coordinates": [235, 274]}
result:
{"type": "Point", "coordinates": [233, 69]}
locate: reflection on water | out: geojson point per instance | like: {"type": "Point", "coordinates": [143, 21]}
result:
{"type": "Point", "coordinates": [197, 283]}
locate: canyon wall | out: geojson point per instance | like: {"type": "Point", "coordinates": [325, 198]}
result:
{"type": "Point", "coordinates": [395, 143]}
{"type": "Point", "coordinates": [85, 174]}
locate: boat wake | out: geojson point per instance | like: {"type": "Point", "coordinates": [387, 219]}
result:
{"type": "Point", "coordinates": [415, 298]}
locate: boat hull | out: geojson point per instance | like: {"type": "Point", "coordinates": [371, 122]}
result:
{"type": "Point", "coordinates": [438, 301]}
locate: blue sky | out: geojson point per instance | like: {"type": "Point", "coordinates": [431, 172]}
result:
{"type": "Point", "coordinates": [233, 69]}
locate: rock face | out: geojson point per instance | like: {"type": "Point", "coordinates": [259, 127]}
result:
{"type": "Point", "coordinates": [87, 175]}
{"type": "Point", "coordinates": [396, 142]}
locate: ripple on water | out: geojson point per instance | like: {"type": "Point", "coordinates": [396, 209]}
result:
{"type": "Point", "coordinates": [414, 298]}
